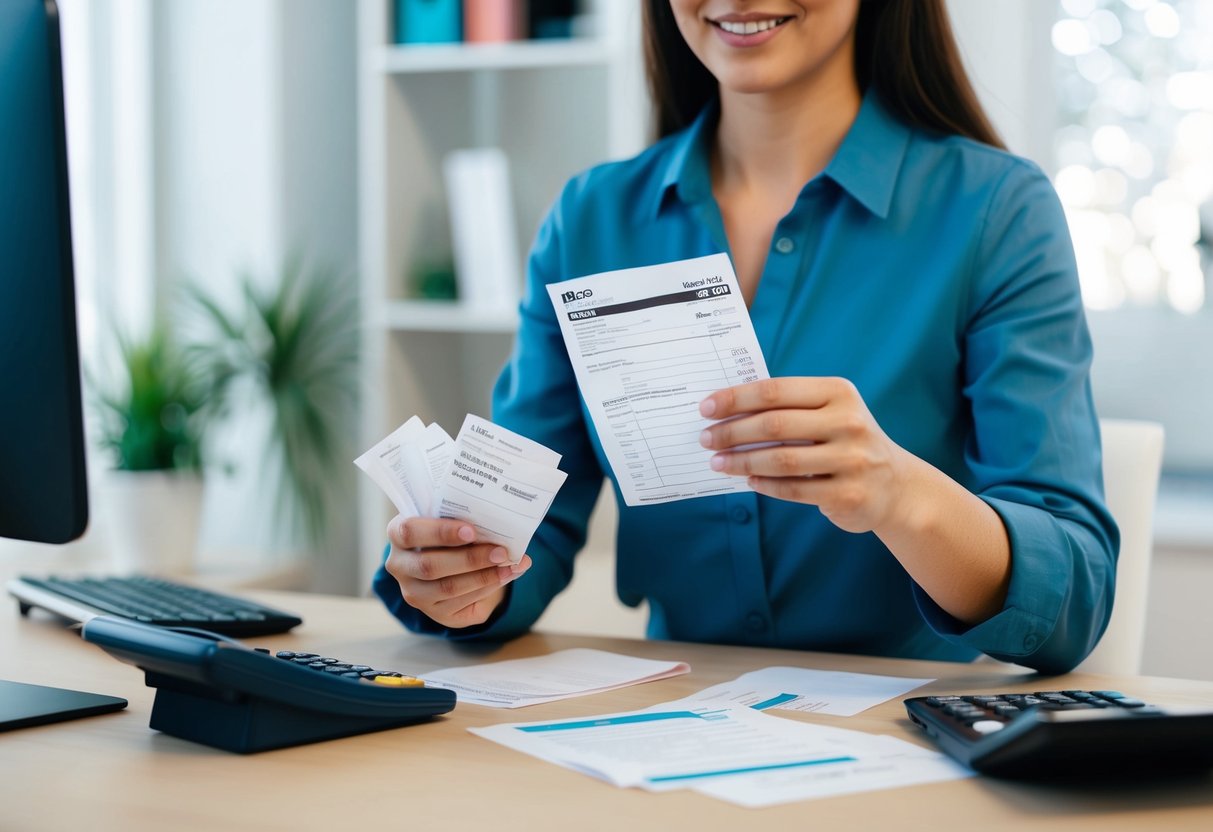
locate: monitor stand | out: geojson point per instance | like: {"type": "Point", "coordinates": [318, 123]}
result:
{"type": "Point", "coordinates": [23, 705]}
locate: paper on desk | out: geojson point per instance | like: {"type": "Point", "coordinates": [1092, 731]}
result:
{"type": "Point", "coordinates": [801, 689]}
{"type": "Point", "coordinates": [497, 480]}
{"type": "Point", "coordinates": [735, 754]}
{"type": "Point", "coordinates": [647, 345]}
{"type": "Point", "coordinates": [891, 763]}
{"type": "Point", "coordinates": [516, 683]}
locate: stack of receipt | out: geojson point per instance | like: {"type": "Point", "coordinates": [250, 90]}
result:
{"type": "Point", "coordinates": [500, 482]}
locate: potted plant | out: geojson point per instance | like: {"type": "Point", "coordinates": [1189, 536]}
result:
{"type": "Point", "coordinates": [288, 351]}
{"type": "Point", "coordinates": [150, 419]}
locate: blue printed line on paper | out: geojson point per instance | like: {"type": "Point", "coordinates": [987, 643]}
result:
{"type": "Point", "coordinates": [666, 778]}
{"type": "Point", "coordinates": [617, 720]}
{"type": "Point", "coordinates": [775, 700]}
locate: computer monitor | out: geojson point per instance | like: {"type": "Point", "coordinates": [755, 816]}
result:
{"type": "Point", "coordinates": [43, 489]}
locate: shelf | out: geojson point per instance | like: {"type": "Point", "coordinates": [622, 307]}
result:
{"type": "Point", "coordinates": [445, 316]}
{"type": "Point", "coordinates": [463, 57]}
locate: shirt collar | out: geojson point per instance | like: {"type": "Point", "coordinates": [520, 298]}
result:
{"type": "Point", "coordinates": [870, 157]}
{"type": "Point", "coordinates": [688, 164]}
{"type": "Point", "coordinates": [866, 164]}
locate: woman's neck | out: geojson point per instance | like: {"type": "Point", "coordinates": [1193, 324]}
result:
{"type": "Point", "coordinates": [777, 141]}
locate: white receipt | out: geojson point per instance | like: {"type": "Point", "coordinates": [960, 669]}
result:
{"type": "Point", "coordinates": [393, 468]}
{"type": "Point", "coordinates": [499, 481]}
{"type": "Point", "coordinates": [647, 345]}
{"type": "Point", "coordinates": [801, 689]}
{"type": "Point", "coordinates": [578, 671]}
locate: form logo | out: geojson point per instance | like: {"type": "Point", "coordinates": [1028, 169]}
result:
{"type": "Point", "coordinates": [569, 297]}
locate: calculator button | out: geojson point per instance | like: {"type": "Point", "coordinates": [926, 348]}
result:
{"type": "Point", "coordinates": [987, 726]}
{"type": "Point", "coordinates": [399, 681]}
{"type": "Point", "coordinates": [1129, 703]}
{"type": "Point", "coordinates": [939, 701]}
{"type": "Point", "coordinates": [1109, 694]}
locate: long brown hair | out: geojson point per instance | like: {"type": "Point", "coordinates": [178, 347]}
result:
{"type": "Point", "coordinates": [904, 50]}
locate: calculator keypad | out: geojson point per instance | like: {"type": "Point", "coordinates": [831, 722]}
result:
{"type": "Point", "coordinates": [988, 714]}
{"type": "Point", "coordinates": [358, 672]}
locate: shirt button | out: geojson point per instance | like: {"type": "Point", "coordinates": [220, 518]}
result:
{"type": "Point", "coordinates": [755, 623]}
{"type": "Point", "coordinates": [740, 514]}
{"type": "Point", "coordinates": [784, 245]}
{"type": "Point", "coordinates": [1031, 641]}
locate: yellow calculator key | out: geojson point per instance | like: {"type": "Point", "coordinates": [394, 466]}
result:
{"type": "Point", "coordinates": [399, 681]}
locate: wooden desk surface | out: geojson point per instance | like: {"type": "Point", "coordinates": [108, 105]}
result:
{"type": "Point", "coordinates": [113, 772]}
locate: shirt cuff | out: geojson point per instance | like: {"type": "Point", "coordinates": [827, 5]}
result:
{"type": "Point", "coordinates": [1038, 592]}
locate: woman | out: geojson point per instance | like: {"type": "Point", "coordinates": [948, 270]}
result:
{"type": "Point", "coordinates": [934, 490]}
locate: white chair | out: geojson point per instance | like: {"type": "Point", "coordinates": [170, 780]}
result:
{"type": "Point", "coordinates": [1132, 461]}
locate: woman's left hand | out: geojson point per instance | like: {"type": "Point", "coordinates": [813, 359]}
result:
{"type": "Point", "coordinates": [830, 451]}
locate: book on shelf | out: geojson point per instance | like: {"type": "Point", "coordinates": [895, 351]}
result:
{"type": "Point", "coordinates": [493, 21]}
{"type": "Point", "coordinates": [429, 21]}
{"type": "Point", "coordinates": [485, 21]}
{"type": "Point", "coordinates": [483, 230]}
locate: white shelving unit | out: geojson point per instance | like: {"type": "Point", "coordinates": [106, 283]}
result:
{"type": "Point", "coordinates": [555, 108]}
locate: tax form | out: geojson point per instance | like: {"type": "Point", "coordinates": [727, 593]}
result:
{"type": "Point", "coordinates": [735, 754]}
{"type": "Point", "coordinates": [647, 345]}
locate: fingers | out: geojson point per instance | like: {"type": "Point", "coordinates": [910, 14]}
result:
{"type": "Point", "coordinates": [775, 393]}
{"type": "Point", "coordinates": [429, 532]}
{"type": "Point", "coordinates": [788, 461]}
{"type": "Point", "coordinates": [468, 610]}
{"type": "Point", "coordinates": [765, 427]}
{"type": "Point", "coordinates": [450, 564]}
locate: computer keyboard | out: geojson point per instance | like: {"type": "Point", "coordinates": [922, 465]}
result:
{"type": "Point", "coordinates": [150, 601]}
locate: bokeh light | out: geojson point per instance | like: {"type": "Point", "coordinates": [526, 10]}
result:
{"type": "Point", "coordinates": [1134, 149]}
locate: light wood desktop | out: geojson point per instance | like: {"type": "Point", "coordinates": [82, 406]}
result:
{"type": "Point", "coordinates": [113, 772]}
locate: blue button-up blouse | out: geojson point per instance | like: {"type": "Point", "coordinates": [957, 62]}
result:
{"type": "Point", "coordinates": [935, 273]}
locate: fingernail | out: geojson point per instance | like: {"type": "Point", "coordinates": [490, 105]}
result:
{"type": "Point", "coordinates": [466, 534]}
{"type": "Point", "coordinates": [705, 439]}
{"type": "Point", "coordinates": [707, 407]}
{"type": "Point", "coordinates": [499, 555]}
{"type": "Point", "coordinates": [517, 568]}
{"type": "Point", "coordinates": [717, 462]}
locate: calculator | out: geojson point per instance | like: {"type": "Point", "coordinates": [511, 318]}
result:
{"type": "Point", "coordinates": [1067, 734]}
{"type": "Point", "coordinates": [214, 690]}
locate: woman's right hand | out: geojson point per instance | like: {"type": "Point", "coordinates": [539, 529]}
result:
{"type": "Point", "coordinates": [445, 573]}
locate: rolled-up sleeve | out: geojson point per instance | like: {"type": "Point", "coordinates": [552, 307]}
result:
{"type": "Point", "coordinates": [536, 395]}
{"type": "Point", "coordinates": [1034, 449]}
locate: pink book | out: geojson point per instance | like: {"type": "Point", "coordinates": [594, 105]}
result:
{"type": "Point", "coordinates": [489, 21]}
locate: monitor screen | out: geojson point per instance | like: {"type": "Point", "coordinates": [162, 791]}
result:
{"type": "Point", "coordinates": [43, 491]}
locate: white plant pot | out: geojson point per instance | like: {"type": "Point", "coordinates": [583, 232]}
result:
{"type": "Point", "coordinates": [153, 519]}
